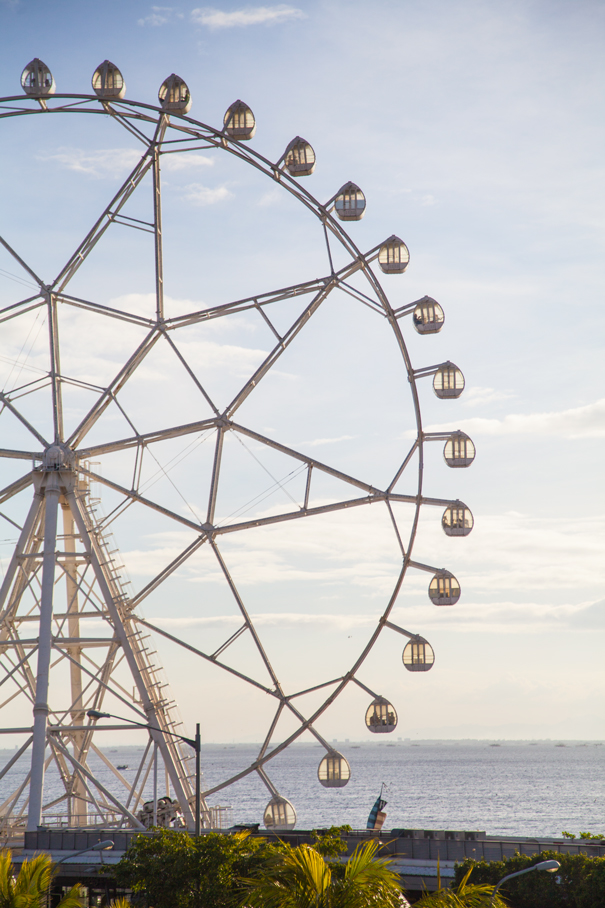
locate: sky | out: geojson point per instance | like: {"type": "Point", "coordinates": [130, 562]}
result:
{"type": "Point", "coordinates": [475, 130]}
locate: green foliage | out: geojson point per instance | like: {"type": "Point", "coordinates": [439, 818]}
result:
{"type": "Point", "coordinates": [582, 880]}
{"type": "Point", "coordinates": [302, 878]}
{"type": "Point", "coordinates": [466, 895]}
{"type": "Point", "coordinates": [584, 835]}
{"type": "Point", "coordinates": [172, 869]}
{"type": "Point", "coordinates": [330, 842]}
{"type": "Point", "coordinates": [29, 888]}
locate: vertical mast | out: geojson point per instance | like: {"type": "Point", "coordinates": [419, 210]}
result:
{"type": "Point", "coordinates": [49, 482]}
{"type": "Point", "coordinates": [77, 801]}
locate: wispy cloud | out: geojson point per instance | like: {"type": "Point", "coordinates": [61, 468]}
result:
{"type": "Point", "coordinates": [241, 18]}
{"type": "Point", "coordinates": [476, 396]}
{"type": "Point", "coordinates": [496, 616]}
{"type": "Point", "coordinates": [205, 195]}
{"type": "Point", "coordinates": [99, 164]}
{"type": "Point", "coordinates": [579, 422]}
{"type": "Point", "coordinates": [324, 441]}
{"type": "Point", "coordinates": [274, 619]}
{"type": "Point", "coordinates": [108, 162]}
{"type": "Point", "coordinates": [188, 161]}
{"type": "Point", "coordinates": [160, 15]}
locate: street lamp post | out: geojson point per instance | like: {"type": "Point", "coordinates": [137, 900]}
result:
{"type": "Point", "coordinates": [549, 866]}
{"type": "Point", "coordinates": [106, 845]}
{"type": "Point", "coordinates": [196, 743]}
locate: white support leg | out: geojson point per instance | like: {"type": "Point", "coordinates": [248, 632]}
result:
{"type": "Point", "coordinates": [41, 709]}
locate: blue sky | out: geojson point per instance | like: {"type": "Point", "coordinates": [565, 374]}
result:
{"type": "Point", "coordinates": [475, 130]}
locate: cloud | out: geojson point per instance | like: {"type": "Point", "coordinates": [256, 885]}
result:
{"type": "Point", "coordinates": [475, 396]}
{"type": "Point", "coordinates": [204, 195]}
{"type": "Point", "coordinates": [109, 161]}
{"type": "Point", "coordinates": [99, 164]}
{"type": "Point", "coordinates": [511, 617]}
{"type": "Point", "coordinates": [324, 441]}
{"type": "Point", "coordinates": [176, 162]}
{"type": "Point", "coordinates": [271, 198]}
{"type": "Point", "coordinates": [241, 18]}
{"type": "Point", "coordinates": [273, 619]}
{"type": "Point", "coordinates": [591, 617]}
{"type": "Point", "coordinates": [160, 15]}
{"type": "Point", "coordinates": [505, 617]}
{"type": "Point", "coordinates": [579, 422]}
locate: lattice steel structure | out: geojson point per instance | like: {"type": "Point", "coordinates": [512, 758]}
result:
{"type": "Point", "coordinates": [64, 571]}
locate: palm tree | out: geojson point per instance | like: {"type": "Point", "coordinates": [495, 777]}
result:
{"type": "Point", "coordinates": [30, 887]}
{"type": "Point", "coordinates": [467, 895]}
{"type": "Point", "coordinates": [301, 878]}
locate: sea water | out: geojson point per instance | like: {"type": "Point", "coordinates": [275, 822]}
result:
{"type": "Point", "coordinates": [506, 788]}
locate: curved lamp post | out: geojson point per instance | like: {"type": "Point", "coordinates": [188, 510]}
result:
{"type": "Point", "coordinates": [196, 743]}
{"type": "Point", "coordinates": [549, 866]}
{"type": "Point", "coordinates": [106, 845]}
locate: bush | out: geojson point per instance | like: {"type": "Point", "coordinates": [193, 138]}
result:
{"type": "Point", "coordinates": [176, 870]}
{"type": "Point", "coordinates": [582, 880]}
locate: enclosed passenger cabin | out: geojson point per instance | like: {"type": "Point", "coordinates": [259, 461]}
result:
{"type": "Point", "coordinates": [299, 158]}
{"type": "Point", "coordinates": [108, 82]}
{"type": "Point", "coordinates": [459, 451]}
{"type": "Point", "coordinates": [444, 589]}
{"type": "Point", "coordinates": [37, 79]}
{"type": "Point", "coordinates": [448, 381]}
{"type": "Point", "coordinates": [393, 256]}
{"type": "Point", "coordinates": [334, 771]}
{"type": "Point", "coordinates": [350, 203]}
{"type": "Point", "coordinates": [381, 717]}
{"type": "Point", "coordinates": [418, 655]}
{"type": "Point", "coordinates": [174, 95]}
{"type": "Point", "coordinates": [457, 520]}
{"type": "Point", "coordinates": [279, 814]}
{"type": "Point", "coordinates": [428, 316]}
{"type": "Point", "coordinates": [239, 122]}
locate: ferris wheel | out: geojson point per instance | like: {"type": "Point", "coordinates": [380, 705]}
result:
{"type": "Point", "coordinates": [74, 644]}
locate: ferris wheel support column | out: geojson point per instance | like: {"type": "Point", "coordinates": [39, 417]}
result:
{"type": "Point", "coordinates": [77, 802]}
{"type": "Point", "coordinates": [52, 494]}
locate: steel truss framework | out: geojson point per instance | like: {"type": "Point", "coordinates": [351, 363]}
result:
{"type": "Point", "coordinates": [36, 638]}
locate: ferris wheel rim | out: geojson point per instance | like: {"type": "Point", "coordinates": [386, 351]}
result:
{"type": "Point", "coordinates": [289, 183]}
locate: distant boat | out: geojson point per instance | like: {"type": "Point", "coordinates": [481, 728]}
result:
{"type": "Point", "coordinates": [123, 766]}
{"type": "Point", "coordinates": [494, 745]}
{"type": "Point", "coordinates": [559, 745]}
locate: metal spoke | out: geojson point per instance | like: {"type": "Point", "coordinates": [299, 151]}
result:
{"type": "Point", "coordinates": [117, 384]}
{"type": "Point", "coordinates": [103, 222]}
{"type": "Point", "coordinates": [23, 264]}
{"type": "Point", "coordinates": [147, 438]}
{"type": "Point", "coordinates": [277, 351]}
{"type": "Point", "coordinates": [110, 311]}
{"type": "Point", "coordinates": [193, 649]}
{"type": "Point", "coordinates": [250, 302]}
{"type": "Point", "coordinates": [10, 406]}
{"type": "Point", "coordinates": [139, 498]}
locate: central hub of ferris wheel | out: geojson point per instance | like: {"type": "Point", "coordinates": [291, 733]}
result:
{"type": "Point", "coordinates": [66, 572]}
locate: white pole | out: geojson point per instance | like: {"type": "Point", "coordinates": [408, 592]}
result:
{"type": "Point", "coordinates": [41, 709]}
{"type": "Point", "coordinates": [155, 783]}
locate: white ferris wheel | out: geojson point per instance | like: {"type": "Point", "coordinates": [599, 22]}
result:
{"type": "Point", "coordinates": [74, 645]}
